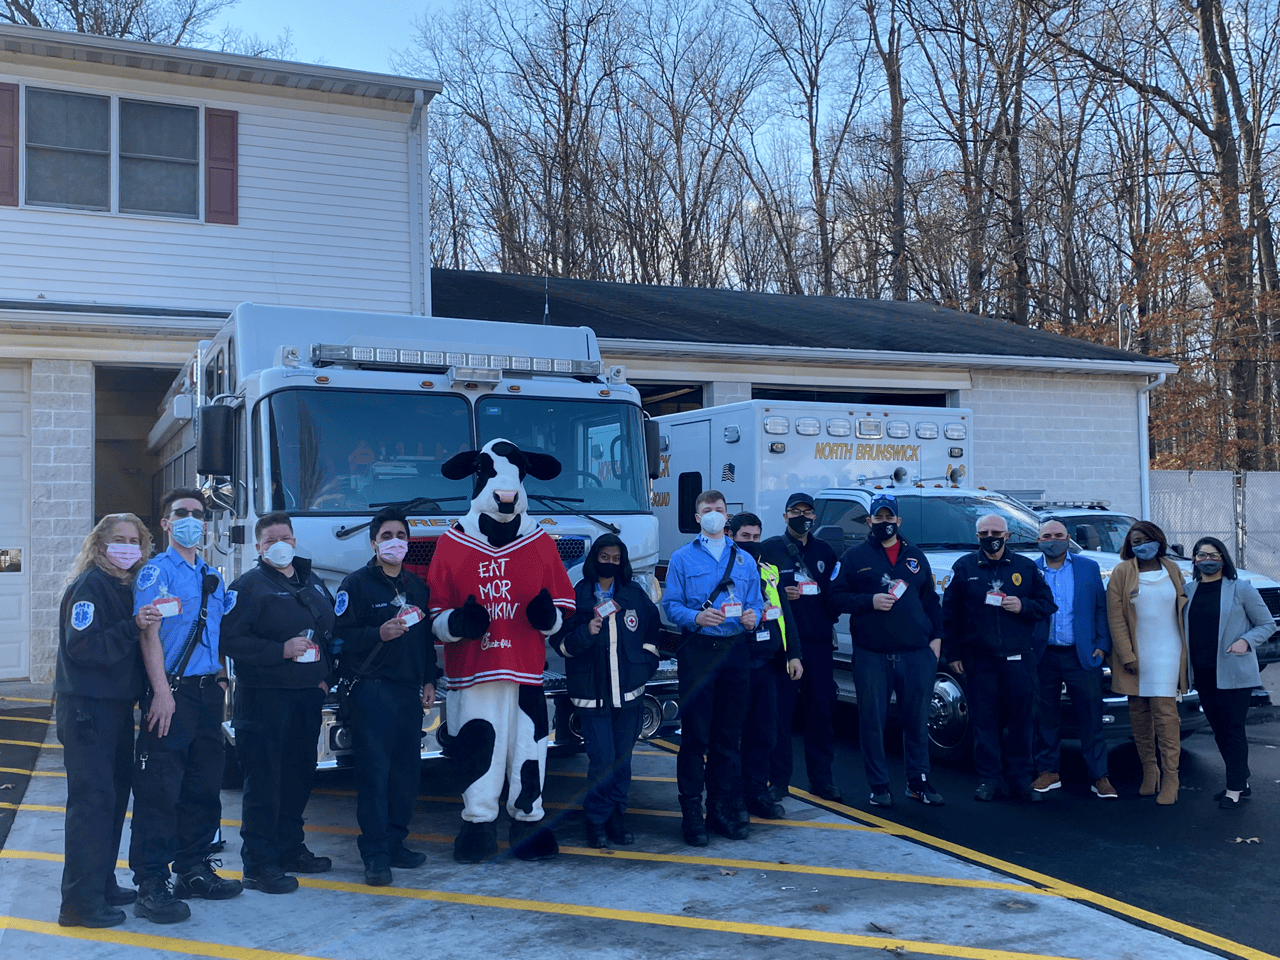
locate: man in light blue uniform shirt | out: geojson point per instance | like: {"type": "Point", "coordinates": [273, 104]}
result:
{"type": "Point", "coordinates": [1075, 642]}
{"type": "Point", "coordinates": [177, 777]}
{"type": "Point", "coordinates": [714, 670]}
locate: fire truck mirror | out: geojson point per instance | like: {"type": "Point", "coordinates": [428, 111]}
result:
{"type": "Point", "coordinates": [214, 453]}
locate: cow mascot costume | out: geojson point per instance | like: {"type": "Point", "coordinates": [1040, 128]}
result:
{"type": "Point", "coordinates": [498, 591]}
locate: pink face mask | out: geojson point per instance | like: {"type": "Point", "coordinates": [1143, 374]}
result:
{"type": "Point", "coordinates": [124, 555]}
{"type": "Point", "coordinates": [392, 551]}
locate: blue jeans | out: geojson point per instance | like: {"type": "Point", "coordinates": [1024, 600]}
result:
{"type": "Point", "coordinates": [610, 736]}
{"type": "Point", "coordinates": [1061, 665]}
{"type": "Point", "coordinates": [909, 674]}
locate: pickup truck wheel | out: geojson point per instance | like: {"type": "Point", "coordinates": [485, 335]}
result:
{"type": "Point", "coordinates": [950, 728]}
{"type": "Point", "coordinates": [232, 775]}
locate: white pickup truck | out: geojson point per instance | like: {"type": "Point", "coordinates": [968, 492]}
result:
{"type": "Point", "coordinates": [942, 522]}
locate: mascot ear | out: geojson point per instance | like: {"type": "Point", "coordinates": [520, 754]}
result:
{"type": "Point", "coordinates": [542, 466]}
{"type": "Point", "coordinates": [461, 465]}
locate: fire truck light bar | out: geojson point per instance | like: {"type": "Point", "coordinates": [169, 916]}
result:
{"type": "Point", "coordinates": [331, 354]}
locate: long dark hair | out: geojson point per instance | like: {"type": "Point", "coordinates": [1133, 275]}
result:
{"type": "Point", "coordinates": [1228, 568]}
{"type": "Point", "coordinates": [607, 540]}
{"type": "Point", "coordinates": [1151, 532]}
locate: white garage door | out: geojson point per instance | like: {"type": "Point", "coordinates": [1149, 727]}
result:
{"type": "Point", "coordinates": [15, 521]}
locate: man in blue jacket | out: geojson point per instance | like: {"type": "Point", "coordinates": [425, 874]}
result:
{"type": "Point", "coordinates": [1070, 649]}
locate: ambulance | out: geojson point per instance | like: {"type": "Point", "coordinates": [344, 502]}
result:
{"type": "Point", "coordinates": [758, 452]}
{"type": "Point", "coordinates": [330, 415]}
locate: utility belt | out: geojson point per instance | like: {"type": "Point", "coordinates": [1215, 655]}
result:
{"type": "Point", "coordinates": [706, 640]}
{"type": "Point", "coordinates": [200, 680]}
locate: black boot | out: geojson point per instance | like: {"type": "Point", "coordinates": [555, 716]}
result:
{"type": "Point", "coordinates": [596, 836]}
{"type": "Point", "coordinates": [533, 840]}
{"type": "Point", "coordinates": [722, 818]}
{"type": "Point", "coordinates": [157, 903]}
{"type": "Point", "coordinates": [693, 826]}
{"type": "Point", "coordinates": [616, 829]}
{"type": "Point", "coordinates": [476, 842]}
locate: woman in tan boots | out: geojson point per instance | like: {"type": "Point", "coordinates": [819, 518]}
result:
{"type": "Point", "coordinates": [1148, 656]}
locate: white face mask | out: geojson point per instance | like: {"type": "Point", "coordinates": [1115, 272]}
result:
{"type": "Point", "coordinates": [713, 523]}
{"type": "Point", "coordinates": [279, 554]}
{"type": "Point", "coordinates": [392, 551]}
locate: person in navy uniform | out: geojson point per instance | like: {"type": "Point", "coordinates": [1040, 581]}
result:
{"type": "Point", "coordinates": [177, 808]}
{"type": "Point", "coordinates": [387, 647]}
{"type": "Point", "coordinates": [99, 679]}
{"type": "Point", "coordinates": [610, 646]}
{"type": "Point", "coordinates": [714, 670]}
{"type": "Point", "coordinates": [282, 676]}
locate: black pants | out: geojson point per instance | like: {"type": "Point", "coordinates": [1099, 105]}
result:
{"type": "Point", "coordinates": [610, 736]}
{"type": "Point", "coordinates": [816, 692]}
{"type": "Point", "coordinates": [760, 731]}
{"type": "Point", "coordinates": [1001, 697]}
{"type": "Point", "coordinates": [177, 783]}
{"type": "Point", "coordinates": [714, 684]}
{"type": "Point", "coordinates": [276, 734]}
{"type": "Point", "coordinates": [1226, 711]}
{"type": "Point", "coordinates": [1058, 666]}
{"type": "Point", "coordinates": [97, 741]}
{"type": "Point", "coordinates": [386, 737]}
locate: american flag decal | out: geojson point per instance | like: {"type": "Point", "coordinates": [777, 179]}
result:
{"type": "Point", "coordinates": [726, 475]}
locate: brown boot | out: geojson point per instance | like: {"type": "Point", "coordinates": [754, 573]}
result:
{"type": "Point", "coordinates": [1164, 711]}
{"type": "Point", "coordinates": [1144, 738]}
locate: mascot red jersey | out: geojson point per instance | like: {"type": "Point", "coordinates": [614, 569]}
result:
{"type": "Point", "coordinates": [498, 590]}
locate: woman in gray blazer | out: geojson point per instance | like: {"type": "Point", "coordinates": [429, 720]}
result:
{"type": "Point", "coordinates": [1224, 621]}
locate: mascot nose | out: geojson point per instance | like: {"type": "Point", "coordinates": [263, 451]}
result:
{"type": "Point", "coordinates": [506, 500]}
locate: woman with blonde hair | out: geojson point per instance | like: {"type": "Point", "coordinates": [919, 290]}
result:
{"type": "Point", "coordinates": [99, 678]}
{"type": "Point", "coordinates": [1148, 655]}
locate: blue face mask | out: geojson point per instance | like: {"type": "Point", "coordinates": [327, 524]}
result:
{"type": "Point", "coordinates": [187, 531]}
{"type": "Point", "coordinates": [1145, 551]}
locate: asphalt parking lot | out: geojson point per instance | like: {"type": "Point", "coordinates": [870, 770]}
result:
{"type": "Point", "coordinates": [830, 881]}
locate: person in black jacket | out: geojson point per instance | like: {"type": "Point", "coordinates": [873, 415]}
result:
{"type": "Point", "coordinates": [99, 678]}
{"type": "Point", "coordinates": [807, 565]}
{"type": "Point", "coordinates": [610, 646]}
{"type": "Point", "coordinates": [895, 622]}
{"type": "Point", "coordinates": [388, 648]}
{"type": "Point", "coordinates": [990, 610]}
{"type": "Point", "coordinates": [278, 634]}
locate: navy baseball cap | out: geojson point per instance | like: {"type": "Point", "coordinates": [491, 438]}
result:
{"type": "Point", "coordinates": [799, 498]}
{"type": "Point", "coordinates": [883, 501]}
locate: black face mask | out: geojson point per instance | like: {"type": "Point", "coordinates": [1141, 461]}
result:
{"type": "Point", "coordinates": [1207, 568]}
{"type": "Point", "coordinates": [800, 525]}
{"type": "Point", "coordinates": [750, 547]}
{"type": "Point", "coordinates": [885, 530]}
{"type": "Point", "coordinates": [607, 571]}
{"type": "Point", "coordinates": [991, 545]}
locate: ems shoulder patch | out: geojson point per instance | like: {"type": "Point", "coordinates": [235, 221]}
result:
{"type": "Point", "coordinates": [82, 615]}
{"type": "Point", "coordinates": [147, 576]}
{"type": "Point", "coordinates": [229, 601]}
{"type": "Point", "coordinates": [340, 604]}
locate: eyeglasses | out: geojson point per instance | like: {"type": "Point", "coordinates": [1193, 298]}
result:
{"type": "Point", "coordinates": [1208, 556]}
{"type": "Point", "coordinates": [181, 512]}
{"type": "Point", "coordinates": [801, 512]}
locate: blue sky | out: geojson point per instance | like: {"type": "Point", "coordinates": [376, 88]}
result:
{"type": "Point", "coordinates": [340, 33]}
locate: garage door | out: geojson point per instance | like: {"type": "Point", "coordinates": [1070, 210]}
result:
{"type": "Point", "coordinates": [15, 521]}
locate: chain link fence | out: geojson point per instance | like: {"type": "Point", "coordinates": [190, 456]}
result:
{"type": "Point", "coordinates": [1240, 509]}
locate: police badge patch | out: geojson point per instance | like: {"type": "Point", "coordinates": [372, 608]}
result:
{"type": "Point", "coordinates": [913, 564]}
{"type": "Point", "coordinates": [822, 566]}
{"type": "Point", "coordinates": [340, 604]}
{"type": "Point", "coordinates": [1017, 579]}
{"type": "Point", "coordinates": [82, 615]}
{"type": "Point", "coordinates": [147, 576]}
{"type": "Point", "coordinates": [632, 620]}
{"type": "Point", "coordinates": [229, 602]}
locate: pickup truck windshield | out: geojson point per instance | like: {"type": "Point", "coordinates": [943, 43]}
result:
{"type": "Point", "coordinates": [599, 443]}
{"type": "Point", "coordinates": [340, 451]}
{"type": "Point", "coordinates": [948, 523]}
{"type": "Point", "coordinates": [1093, 532]}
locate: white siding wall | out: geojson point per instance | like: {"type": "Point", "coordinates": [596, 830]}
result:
{"type": "Point", "coordinates": [324, 216]}
{"type": "Point", "coordinates": [1074, 436]}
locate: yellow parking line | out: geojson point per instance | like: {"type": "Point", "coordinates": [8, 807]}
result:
{"type": "Point", "coordinates": [29, 720]}
{"type": "Point", "coordinates": [32, 806]}
{"type": "Point", "coordinates": [31, 743]}
{"type": "Point", "coordinates": [651, 753]}
{"type": "Point", "coordinates": [33, 773]}
{"type": "Point", "coordinates": [149, 940]}
{"type": "Point", "coordinates": [582, 773]}
{"type": "Point", "coordinates": [26, 699]}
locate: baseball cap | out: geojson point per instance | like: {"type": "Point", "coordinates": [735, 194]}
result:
{"type": "Point", "coordinates": [799, 498]}
{"type": "Point", "coordinates": [883, 501]}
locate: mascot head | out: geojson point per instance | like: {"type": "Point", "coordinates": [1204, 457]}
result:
{"type": "Point", "coordinates": [498, 498]}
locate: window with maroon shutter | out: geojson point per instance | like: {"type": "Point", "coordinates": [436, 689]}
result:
{"type": "Point", "coordinates": [221, 161]}
{"type": "Point", "coordinates": [8, 144]}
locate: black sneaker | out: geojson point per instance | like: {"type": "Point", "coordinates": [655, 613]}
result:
{"type": "Point", "coordinates": [102, 916]}
{"type": "Point", "coordinates": [827, 791]}
{"type": "Point", "coordinates": [1245, 794]}
{"type": "Point", "coordinates": [615, 829]}
{"type": "Point", "coordinates": [270, 881]}
{"type": "Point", "coordinates": [765, 808]}
{"type": "Point", "coordinates": [204, 882]}
{"type": "Point", "coordinates": [305, 862]}
{"type": "Point", "coordinates": [779, 792]}
{"type": "Point", "coordinates": [919, 789]}
{"type": "Point", "coordinates": [408, 859]}
{"type": "Point", "coordinates": [881, 797]}
{"type": "Point", "coordinates": [986, 791]}
{"type": "Point", "coordinates": [157, 903]}
{"type": "Point", "coordinates": [377, 873]}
